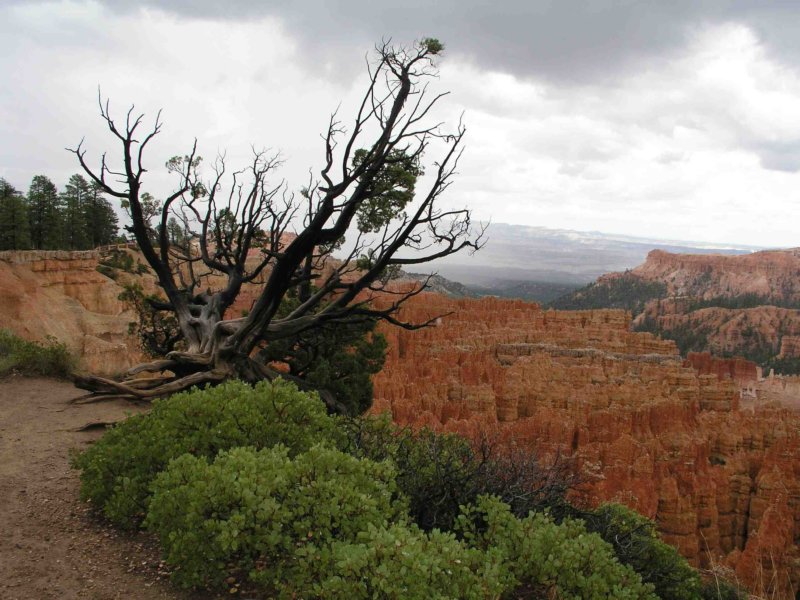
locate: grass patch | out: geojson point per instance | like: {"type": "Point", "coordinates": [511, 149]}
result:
{"type": "Point", "coordinates": [49, 359]}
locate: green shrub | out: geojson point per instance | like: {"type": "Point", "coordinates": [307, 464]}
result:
{"type": "Point", "coordinates": [262, 485]}
{"type": "Point", "coordinates": [118, 470]}
{"type": "Point", "coordinates": [50, 359]}
{"type": "Point", "coordinates": [107, 271]}
{"type": "Point", "coordinates": [636, 543]}
{"type": "Point", "coordinates": [337, 360]}
{"type": "Point", "coordinates": [158, 331]}
{"type": "Point", "coordinates": [441, 472]}
{"type": "Point", "coordinates": [722, 589]}
{"type": "Point", "coordinates": [328, 525]}
{"type": "Point", "coordinates": [401, 562]}
{"type": "Point", "coordinates": [251, 513]}
{"type": "Point", "coordinates": [117, 259]}
{"type": "Point", "coordinates": [545, 558]}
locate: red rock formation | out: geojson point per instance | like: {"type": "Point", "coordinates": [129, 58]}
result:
{"type": "Point", "coordinates": [727, 331]}
{"type": "Point", "coordinates": [61, 294]}
{"type": "Point", "coordinates": [648, 429]}
{"type": "Point", "coordinates": [742, 371]}
{"type": "Point", "coordinates": [783, 390]}
{"type": "Point", "coordinates": [772, 273]}
{"type": "Point", "coordinates": [697, 287]}
{"type": "Point", "coordinates": [790, 347]}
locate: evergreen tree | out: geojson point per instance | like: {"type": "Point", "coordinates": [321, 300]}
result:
{"type": "Point", "coordinates": [74, 201]}
{"type": "Point", "coordinates": [14, 226]}
{"type": "Point", "coordinates": [100, 218]}
{"type": "Point", "coordinates": [44, 214]}
{"type": "Point", "coordinates": [179, 234]}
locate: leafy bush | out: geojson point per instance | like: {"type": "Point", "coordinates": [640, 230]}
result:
{"type": "Point", "coordinates": [326, 524]}
{"type": "Point", "coordinates": [636, 543]}
{"type": "Point", "coordinates": [51, 359]}
{"type": "Point", "coordinates": [401, 562]}
{"type": "Point", "coordinates": [117, 471]}
{"type": "Point", "coordinates": [258, 510]}
{"type": "Point", "coordinates": [339, 360]}
{"type": "Point", "coordinates": [117, 259]}
{"type": "Point", "coordinates": [262, 485]}
{"type": "Point", "coordinates": [441, 472]}
{"type": "Point", "coordinates": [545, 558]}
{"type": "Point", "coordinates": [107, 271]}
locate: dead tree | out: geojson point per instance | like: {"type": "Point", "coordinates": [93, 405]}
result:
{"type": "Point", "coordinates": [365, 189]}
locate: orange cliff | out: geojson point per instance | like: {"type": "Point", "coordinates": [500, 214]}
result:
{"type": "Point", "coordinates": [646, 428]}
{"type": "Point", "coordinates": [60, 294]}
{"type": "Point", "coordinates": [728, 305]}
{"type": "Point", "coordinates": [740, 370]}
{"type": "Point", "coordinates": [729, 331]}
{"type": "Point", "coordinates": [770, 273]}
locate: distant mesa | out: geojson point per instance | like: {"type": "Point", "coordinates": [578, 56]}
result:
{"type": "Point", "coordinates": [746, 305]}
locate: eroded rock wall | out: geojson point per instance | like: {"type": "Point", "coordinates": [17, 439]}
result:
{"type": "Point", "coordinates": [60, 294]}
{"type": "Point", "coordinates": [645, 427]}
{"type": "Point", "coordinates": [746, 305]}
{"type": "Point", "coordinates": [726, 330]}
{"type": "Point", "coordinates": [770, 273]}
{"type": "Point", "coordinates": [743, 372]}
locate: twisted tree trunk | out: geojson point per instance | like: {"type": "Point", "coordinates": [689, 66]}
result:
{"type": "Point", "coordinates": [366, 189]}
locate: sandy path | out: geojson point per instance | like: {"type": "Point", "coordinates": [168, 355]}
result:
{"type": "Point", "coordinates": [50, 544]}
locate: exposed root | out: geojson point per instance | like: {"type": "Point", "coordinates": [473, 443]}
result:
{"type": "Point", "coordinates": [190, 358]}
{"type": "Point", "coordinates": [145, 383]}
{"type": "Point", "coordinates": [156, 366]}
{"type": "Point", "coordinates": [93, 397]}
{"type": "Point", "coordinates": [144, 389]}
{"type": "Point", "coordinates": [101, 388]}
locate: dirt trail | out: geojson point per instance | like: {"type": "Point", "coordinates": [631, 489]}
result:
{"type": "Point", "coordinates": [50, 544]}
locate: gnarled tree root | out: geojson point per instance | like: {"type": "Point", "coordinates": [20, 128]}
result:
{"type": "Point", "coordinates": [144, 389]}
{"type": "Point", "coordinates": [200, 372]}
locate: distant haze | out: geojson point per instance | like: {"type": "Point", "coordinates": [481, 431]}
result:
{"type": "Point", "coordinates": [523, 253]}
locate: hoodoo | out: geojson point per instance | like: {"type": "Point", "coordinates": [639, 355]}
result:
{"type": "Point", "coordinates": [665, 436]}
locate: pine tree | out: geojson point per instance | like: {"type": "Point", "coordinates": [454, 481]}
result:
{"type": "Point", "coordinates": [74, 200]}
{"type": "Point", "coordinates": [100, 218]}
{"type": "Point", "coordinates": [44, 214]}
{"type": "Point", "coordinates": [14, 226]}
{"type": "Point", "coordinates": [179, 234]}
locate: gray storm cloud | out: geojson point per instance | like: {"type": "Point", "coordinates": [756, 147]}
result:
{"type": "Point", "coordinates": [673, 116]}
{"type": "Point", "coordinates": [563, 41]}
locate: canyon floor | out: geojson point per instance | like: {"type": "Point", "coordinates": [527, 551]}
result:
{"type": "Point", "coordinates": [51, 545]}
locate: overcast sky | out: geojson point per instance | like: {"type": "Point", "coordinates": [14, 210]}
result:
{"type": "Point", "coordinates": [659, 119]}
